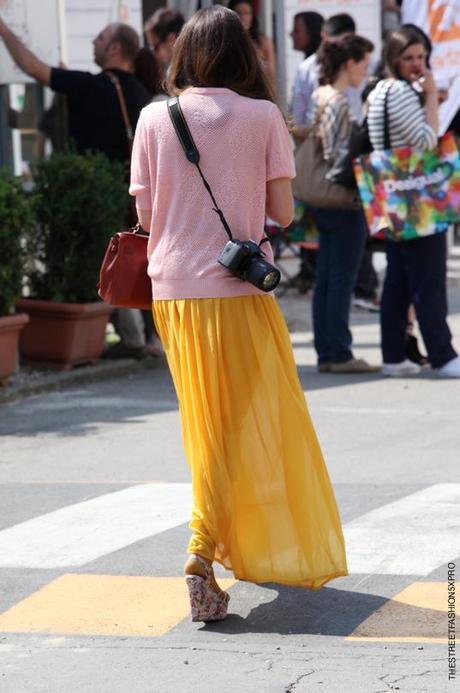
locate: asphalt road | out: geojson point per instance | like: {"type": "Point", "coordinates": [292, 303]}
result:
{"type": "Point", "coordinates": [94, 497]}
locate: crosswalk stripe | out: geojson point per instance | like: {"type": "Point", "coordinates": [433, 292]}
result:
{"type": "Point", "coordinates": [135, 606]}
{"type": "Point", "coordinates": [83, 532]}
{"type": "Point", "coordinates": [416, 614]}
{"type": "Point", "coordinates": [412, 536]}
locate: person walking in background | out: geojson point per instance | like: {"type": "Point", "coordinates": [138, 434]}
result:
{"type": "Point", "coordinates": [306, 36]}
{"type": "Point", "coordinates": [95, 123]}
{"type": "Point", "coordinates": [263, 505]}
{"type": "Point", "coordinates": [307, 76]}
{"type": "Point", "coordinates": [95, 120]}
{"type": "Point", "coordinates": [161, 32]}
{"type": "Point", "coordinates": [342, 233]}
{"type": "Point", "coordinates": [416, 270]}
{"type": "Point", "coordinates": [149, 71]}
{"type": "Point", "coordinates": [263, 44]}
{"type": "Point", "coordinates": [305, 83]}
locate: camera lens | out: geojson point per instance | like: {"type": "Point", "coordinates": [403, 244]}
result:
{"type": "Point", "coordinates": [262, 274]}
{"type": "Point", "coordinates": [271, 280]}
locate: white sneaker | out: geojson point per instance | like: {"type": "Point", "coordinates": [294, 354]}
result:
{"type": "Point", "coordinates": [451, 369]}
{"type": "Point", "coordinates": [372, 305]}
{"type": "Point", "coordinates": [397, 370]}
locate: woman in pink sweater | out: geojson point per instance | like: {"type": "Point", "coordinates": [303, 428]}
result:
{"type": "Point", "coordinates": [263, 505]}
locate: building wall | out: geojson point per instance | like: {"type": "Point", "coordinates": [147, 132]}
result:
{"type": "Point", "coordinates": [85, 18]}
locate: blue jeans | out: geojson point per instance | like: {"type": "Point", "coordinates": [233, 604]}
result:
{"type": "Point", "coordinates": [416, 273]}
{"type": "Point", "coordinates": [342, 236]}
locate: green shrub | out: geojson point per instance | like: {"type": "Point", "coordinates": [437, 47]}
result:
{"type": "Point", "coordinates": [80, 201]}
{"type": "Point", "coordinates": [15, 220]}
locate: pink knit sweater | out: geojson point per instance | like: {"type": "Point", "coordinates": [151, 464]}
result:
{"type": "Point", "coordinates": [243, 143]}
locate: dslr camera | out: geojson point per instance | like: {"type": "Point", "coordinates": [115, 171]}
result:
{"type": "Point", "coordinates": [244, 259]}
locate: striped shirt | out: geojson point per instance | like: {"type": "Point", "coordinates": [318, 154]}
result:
{"type": "Point", "coordinates": [406, 117]}
{"type": "Point", "coordinates": [332, 109]}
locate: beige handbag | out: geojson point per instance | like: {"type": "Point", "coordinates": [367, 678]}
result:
{"type": "Point", "coordinates": [311, 185]}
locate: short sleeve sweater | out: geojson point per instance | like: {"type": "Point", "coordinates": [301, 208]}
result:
{"type": "Point", "coordinates": [243, 143]}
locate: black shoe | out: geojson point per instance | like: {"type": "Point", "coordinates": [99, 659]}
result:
{"type": "Point", "coordinates": [413, 352]}
{"type": "Point", "coordinates": [121, 351]}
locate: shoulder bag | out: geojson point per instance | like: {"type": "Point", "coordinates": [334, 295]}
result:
{"type": "Point", "coordinates": [410, 193]}
{"type": "Point", "coordinates": [341, 170]}
{"type": "Point", "coordinates": [311, 184]}
{"type": "Point", "coordinates": [123, 278]}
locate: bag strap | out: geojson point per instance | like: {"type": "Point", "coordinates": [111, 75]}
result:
{"type": "Point", "coordinates": [386, 121]}
{"type": "Point", "coordinates": [124, 111]}
{"type": "Point", "coordinates": [192, 153]}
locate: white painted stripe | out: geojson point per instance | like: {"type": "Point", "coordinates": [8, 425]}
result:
{"type": "Point", "coordinates": [454, 414]}
{"type": "Point", "coordinates": [411, 536]}
{"type": "Point", "coordinates": [80, 533]}
{"type": "Point", "coordinates": [91, 402]}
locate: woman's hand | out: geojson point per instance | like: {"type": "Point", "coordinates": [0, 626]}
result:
{"type": "Point", "coordinates": [427, 83]}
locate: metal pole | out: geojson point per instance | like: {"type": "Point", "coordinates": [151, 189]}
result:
{"type": "Point", "coordinates": [281, 69]}
{"type": "Point", "coordinates": [62, 29]}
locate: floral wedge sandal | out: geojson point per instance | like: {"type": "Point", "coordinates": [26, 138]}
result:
{"type": "Point", "coordinates": [207, 601]}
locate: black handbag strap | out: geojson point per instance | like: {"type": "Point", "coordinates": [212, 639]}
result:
{"type": "Point", "coordinates": [386, 121]}
{"type": "Point", "coordinates": [192, 153]}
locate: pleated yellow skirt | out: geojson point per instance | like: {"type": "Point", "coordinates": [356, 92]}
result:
{"type": "Point", "coordinates": [263, 505]}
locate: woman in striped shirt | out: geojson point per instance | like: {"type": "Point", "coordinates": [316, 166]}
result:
{"type": "Point", "coordinates": [342, 232]}
{"type": "Point", "coordinates": [416, 270]}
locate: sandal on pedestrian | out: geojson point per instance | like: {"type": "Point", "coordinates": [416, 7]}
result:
{"type": "Point", "coordinates": [413, 352]}
{"type": "Point", "coordinates": [207, 601]}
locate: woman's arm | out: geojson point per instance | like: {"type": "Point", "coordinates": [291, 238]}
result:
{"type": "Point", "coordinates": [280, 202]}
{"type": "Point", "coordinates": [409, 120]}
{"type": "Point", "coordinates": [141, 184]}
{"type": "Point", "coordinates": [145, 217]}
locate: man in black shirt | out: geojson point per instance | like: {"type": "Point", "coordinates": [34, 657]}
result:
{"type": "Point", "coordinates": [94, 113]}
{"type": "Point", "coordinates": [95, 122]}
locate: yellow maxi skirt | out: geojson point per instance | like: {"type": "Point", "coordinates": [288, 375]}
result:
{"type": "Point", "coordinates": [263, 505]}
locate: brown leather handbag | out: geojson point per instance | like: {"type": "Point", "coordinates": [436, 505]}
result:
{"type": "Point", "coordinates": [123, 278]}
{"type": "Point", "coordinates": [311, 184]}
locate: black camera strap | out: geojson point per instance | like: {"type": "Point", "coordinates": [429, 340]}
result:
{"type": "Point", "coordinates": [192, 153]}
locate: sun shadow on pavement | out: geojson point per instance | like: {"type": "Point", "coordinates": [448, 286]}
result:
{"type": "Point", "coordinates": [297, 611]}
{"type": "Point", "coordinates": [335, 612]}
{"type": "Point", "coordinates": [311, 380]}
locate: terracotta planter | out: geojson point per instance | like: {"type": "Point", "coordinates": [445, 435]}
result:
{"type": "Point", "coordinates": [62, 335]}
{"type": "Point", "coordinates": [10, 327]}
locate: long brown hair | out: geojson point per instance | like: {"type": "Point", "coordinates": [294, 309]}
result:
{"type": "Point", "coordinates": [254, 30]}
{"type": "Point", "coordinates": [214, 50]}
{"type": "Point", "coordinates": [398, 42]}
{"type": "Point", "coordinates": [147, 70]}
{"type": "Point", "coordinates": [334, 54]}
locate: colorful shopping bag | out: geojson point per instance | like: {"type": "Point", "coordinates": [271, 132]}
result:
{"type": "Point", "coordinates": [410, 192]}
